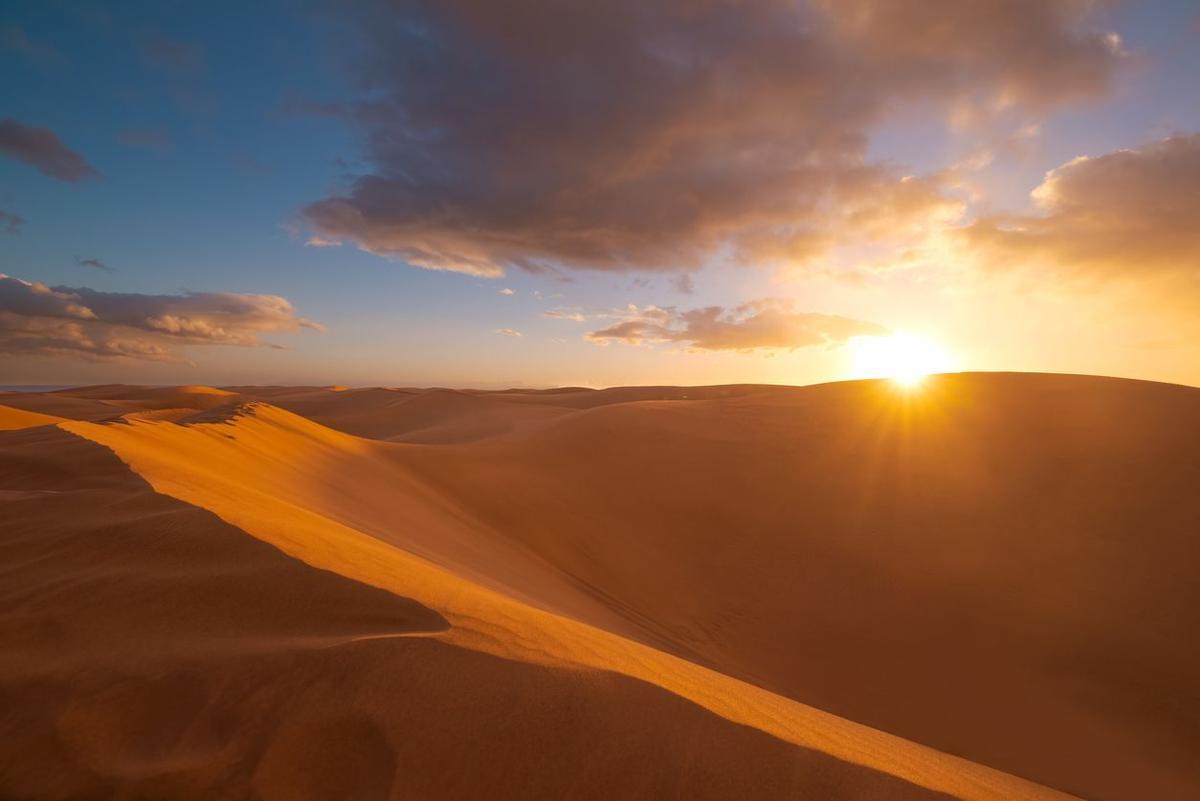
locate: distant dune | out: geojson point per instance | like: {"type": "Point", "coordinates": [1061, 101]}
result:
{"type": "Point", "coordinates": [982, 589]}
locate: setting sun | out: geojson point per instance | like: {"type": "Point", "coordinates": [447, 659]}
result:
{"type": "Point", "coordinates": [904, 358]}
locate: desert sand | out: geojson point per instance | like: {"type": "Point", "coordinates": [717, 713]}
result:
{"type": "Point", "coordinates": [980, 589]}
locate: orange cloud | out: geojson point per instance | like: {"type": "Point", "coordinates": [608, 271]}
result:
{"type": "Point", "coordinates": [770, 324]}
{"type": "Point", "coordinates": [1129, 213]}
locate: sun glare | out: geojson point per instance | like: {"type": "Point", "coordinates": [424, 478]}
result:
{"type": "Point", "coordinates": [904, 358]}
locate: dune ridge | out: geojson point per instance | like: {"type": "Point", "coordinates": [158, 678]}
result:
{"type": "Point", "coordinates": [12, 419]}
{"type": "Point", "coordinates": [169, 457]}
{"type": "Point", "coordinates": [206, 664]}
{"type": "Point", "coordinates": [960, 568]}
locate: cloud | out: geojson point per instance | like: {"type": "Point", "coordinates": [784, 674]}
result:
{"type": "Point", "coordinates": [999, 53]}
{"type": "Point", "coordinates": [95, 264]}
{"type": "Point", "coordinates": [575, 315]}
{"type": "Point", "coordinates": [1123, 214]}
{"type": "Point", "coordinates": [684, 283]}
{"type": "Point", "coordinates": [770, 324]}
{"type": "Point", "coordinates": [509, 332]}
{"type": "Point", "coordinates": [10, 223]}
{"type": "Point", "coordinates": [508, 291]}
{"type": "Point", "coordinates": [174, 55]}
{"type": "Point", "coordinates": [318, 242]}
{"type": "Point", "coordinates": [155, 139]}
{"type": "Point", "coordinates": [17, 40]}
{"type": "Point", "coordinates": [82, 322]}
{"type": "Point", "coordinates": [41, 148]}
{"type": "Point", "coordinates": [653, 134]}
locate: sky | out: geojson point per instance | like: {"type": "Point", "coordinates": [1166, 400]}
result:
{"type": "Point", "coordinates": [471, 194]}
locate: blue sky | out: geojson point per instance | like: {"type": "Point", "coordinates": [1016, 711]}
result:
{"type": "Point", "coordinates": [203, 127]}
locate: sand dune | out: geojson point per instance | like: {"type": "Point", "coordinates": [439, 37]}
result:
{"type": "Point", "coordinates": [437, 415]}
{"type": "Point", "coordinates": [981, 590]}
{"type": "Point", "coordinates": [110, 401]}
{"type": "Point", "coordinates": [11, 419]}
{"type": "Point", "coordinates": [207, 664]}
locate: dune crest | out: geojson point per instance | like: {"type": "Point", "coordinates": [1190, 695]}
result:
{"type": "Point", "coordinates": [857, 591]}
{"type": "Point", "coordinates": [232, 469]}
{"type": "Point", "coordinates": [12, 419]}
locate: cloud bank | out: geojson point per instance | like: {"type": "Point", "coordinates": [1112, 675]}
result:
{"type": "Point", "coordinates": [771, 324]}
{"type": "Point", "coordinates": [81, 322]}
{"type": "Point", "coordinates": [1129, 213]}
{"type": "Point", "coordinates": [653, 134]}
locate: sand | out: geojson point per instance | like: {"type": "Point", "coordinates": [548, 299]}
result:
{"type": "Point", "coordinates": [982, 590]}
{"type": "Point", "coordinates": [12, 419]}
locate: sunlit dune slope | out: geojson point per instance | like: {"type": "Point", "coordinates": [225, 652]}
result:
{"type": "Point", "coordinates": [313, 492]}
{"type": "Point", "coordinates": [11, 419]}
{"type": "Point", "coordinates": [109, 401]}
{"type": "Point", "coordinates": [153, 651]}
{"type": "Point", "coordinates": [997, 566]}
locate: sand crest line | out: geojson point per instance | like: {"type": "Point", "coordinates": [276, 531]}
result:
{"type": "Point", "coordinates": [202, 465]}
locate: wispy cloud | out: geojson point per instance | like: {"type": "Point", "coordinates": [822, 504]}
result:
{"type": "Point", "coordinates": [10, 223]}
{"type": "Point", "coordinates": [573, 314]}
{"type": "Point", "coordinates": [172, 54]}
{"type": "Point", "coordinates": [769, 324]}
{"type": "Point", "coordinates": [17, 40]}
{"type": "Point", "coordinates": [41, 148]}
{"type": "Point", "coordinates": [156, 139]}
{"type": "Point", "coordinates": [508, 332]}
{"type": "Point", "coordinates": [95, 264]}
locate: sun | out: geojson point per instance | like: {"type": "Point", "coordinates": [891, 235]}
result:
{"type": "Point", "coordinates": [905, 358]}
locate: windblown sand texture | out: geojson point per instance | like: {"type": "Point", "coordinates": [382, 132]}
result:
{"type": "Point", "coordinates": [982, 589]}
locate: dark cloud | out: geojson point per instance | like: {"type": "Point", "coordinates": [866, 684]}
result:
{"type": "Point", "coordinates": [998, 53]}
{"type": "Point", "coordinates": [770, 324]}
{"type": "Point", "coordinates": [1123, 214]}
{"type": "Point", "coordinates": [95, 264]}
{"type": "Point", "coordinates": [10, 223]}
{"type": "Point", "coordinates": [653, 134]}
{"type": "Point", "coordinates": [38, 319]}
{"type": "Point", "coordinates": [41, 148]}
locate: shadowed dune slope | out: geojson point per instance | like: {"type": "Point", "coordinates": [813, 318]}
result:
{"type": "Point", "coordinates": [998, 566]}
{"type": "Point", "coordinates": [152, 650]}
{"type": "Point", "coordinates": [435, 415]}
